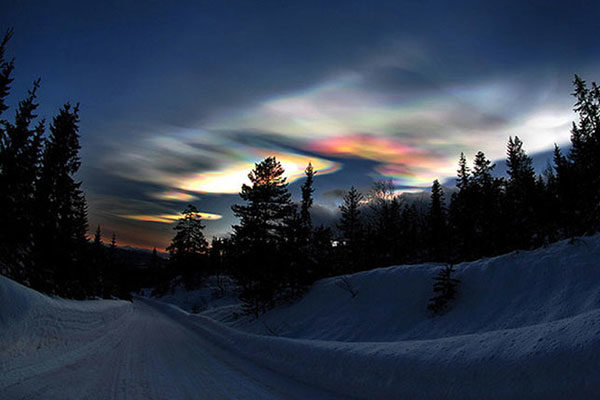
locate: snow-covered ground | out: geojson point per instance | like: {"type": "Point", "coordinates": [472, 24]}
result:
{"type": "Point", "coordinates": [57, 349]}
{"type": "Point", "coordinates": [526, 325]}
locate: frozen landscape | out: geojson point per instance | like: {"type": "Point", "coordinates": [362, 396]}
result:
{"type": "Point", "coordinates": [525, 325]}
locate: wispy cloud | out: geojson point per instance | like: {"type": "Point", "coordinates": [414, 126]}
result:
{"type": "Point", "coordinates": [169, 218]}
{"type": "Point", "coordinates": [174, 195]}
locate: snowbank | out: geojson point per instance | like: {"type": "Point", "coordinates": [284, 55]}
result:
{"type": "Point", "coordinates": [216, 292]}
{"type": "Point", "coordinates": [526, 325]}
{"type": "Point", "coordinates": [31, 322]}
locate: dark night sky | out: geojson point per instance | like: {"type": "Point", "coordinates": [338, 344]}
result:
{"type": "Point", "coordinates": [179, 99]}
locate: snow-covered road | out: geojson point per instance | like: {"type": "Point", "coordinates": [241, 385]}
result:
{"type": "Point", "coordinates": [146, 354]}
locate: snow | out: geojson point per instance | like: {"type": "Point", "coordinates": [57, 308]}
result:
{"type": "Point", "coordinates": [525, 325]}
{"type": "Point", "coordinates": [216, 292]}
{"type": "Point", "coordinates": [58, 349]}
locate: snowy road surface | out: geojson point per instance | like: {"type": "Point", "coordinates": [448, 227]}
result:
{"type": "Point", "coordinates": [146, 354]}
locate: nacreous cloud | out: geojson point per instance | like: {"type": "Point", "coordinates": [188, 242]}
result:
{"type": "Point", "coordinates": [169, 218]}
{"type": "Point", "coordinates": [415, 130]}
{"type": "Point", "coordinates": [205, 162]}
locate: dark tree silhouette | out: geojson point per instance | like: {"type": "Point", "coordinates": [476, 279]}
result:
{"type": "Point", "coordinates": [437, 223]}
{"type": "Point", "coordinates": [188, 247]}
{"type": "Point", "coordinates": [445, 289]}
{"type": "Point", "coordinates": [98, 237]}
{"type": "Point", "coordinates": [61, 207]}
{"type": "Point", "coordinates": [461, 213]}
{"type": "Point", "coordinates": [384, 221]}
{"type": "Point", "coordinates": [20, 148]}
{"type": "Point", "coordinates": [522, 198]}
{"type": "Point", "coordinates": [351, 231]}
{"type": "Point", "coordinates": [6, 69]}
{"type": "Point", "coordinates": [307, 200]}
{"type": "Point", "coordinates": [260, 236]}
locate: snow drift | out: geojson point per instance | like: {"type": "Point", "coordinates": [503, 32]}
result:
{"type": "Point", "coordinates": [525, 325]}
{"type": "Point", "coordinates": [33, 325]}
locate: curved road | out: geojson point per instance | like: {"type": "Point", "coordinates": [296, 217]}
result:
{"type": "Point", "coordinates": [148, 355]}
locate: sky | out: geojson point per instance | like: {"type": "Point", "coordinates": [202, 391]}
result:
{"type": "Point", "coordinates": [180, 99]}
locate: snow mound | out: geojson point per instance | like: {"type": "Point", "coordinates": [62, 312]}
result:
{"type": "Point", "coordinates": [31, 322]}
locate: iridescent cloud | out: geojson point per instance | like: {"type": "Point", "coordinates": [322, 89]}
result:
{"type": "Point", "coordinates": [406, 164]}
{"type": "Point", "coordinates": [231, 178]}
{"type": "Point", "coordinates": [416, 134]}
{"type": "Point", "coordinates": [205, 162]}
{"type": "Point", "coordinates": [174, 196]}
{"type": "Point", "coordinates": [169, 218]}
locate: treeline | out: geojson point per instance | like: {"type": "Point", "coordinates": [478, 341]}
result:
{"type": "Point", "coordinates": [43, 213]}
{"type": "Point", "coordinates": [275, 253]}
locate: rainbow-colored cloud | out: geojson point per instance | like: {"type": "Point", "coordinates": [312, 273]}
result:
{"type": "Point", "coordinates": [231, 178]}
{"type": "Point", "coordinates": [169, 218]}
{"type": "Point", "coordinates": [405, 164]}
{"type": "Point", "coordinates": [174, 195]}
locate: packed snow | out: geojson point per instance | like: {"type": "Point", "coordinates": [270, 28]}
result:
{"type": "Point", "coordinates": [525, 325]}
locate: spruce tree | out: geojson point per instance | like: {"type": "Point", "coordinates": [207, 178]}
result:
{"type": "Point", "coordinates": [6, 69]}
{"type": "Point", "coordinates": [486, 206]}
{"type": "Point", "coordinates": [113, 242]}
{"type": "Point", "coordinates": [584, 161]}
{"type": "Point", "coordinates": [307, 200]}
{"type": "Point", "coordinates": [188, 247]}
{"type": "Point", "coordinates": [437, 222]}
{"type": "Point", "coordinates": [462, 221]}
{"type": "Point", "coordinates": [522, 198]}
{"type": "Point", "coordinates": [62, 216]}
{"type": "Point", "coordinates": [383, 223]}
{"type": "Point", "coordinates": [445, 289]}
{"type": "Point", "coordinates": [351, 229]}
{"type": "Point", "coordinates": [300, 242]}
{"type": "Point", "coordinates": [98, 237]}
{"type": "Point", "coordinates": [20, 148]}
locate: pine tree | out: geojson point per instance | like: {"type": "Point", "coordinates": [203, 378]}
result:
{"type": "Point", "coordinates": [62, 215]}
{"type": "Point", "coordinates": [113, 242]}
{"type": "Point", "coordinates": [522, 198]}
{"type": "Point", "coordinates": [486, 206]}
{"type": "Point", "coordinates": [98, 237]}
{"type": "Point", "coordinates": [307, 200]}
{"type": "Point", "coordinates": [299, 242]}
{"type": "Point", "coordinates": [445, 289]}
{"type": "Point", "coordinates": [464, 174]}
{"type": "Point", "coordinates": [259, 238]}
{"type": "Point", "coordinates": [383, 223]}
{"type": "Point", "coordinates": [268, 205]}
{"type": "Point", "coordinates": [584, 161]}
{"type": "Point", "coordinates": [188, 247]}
{"type": "Point", "coordinates": [437, 222]}
{"type": "Point", "coordinates": [6, 69]}
{"type": "Point", "coordinates": [351, 230]}
{"type": "Point", "coordinates": [20, 148]}
{"type": "Point", "coordinates": [462, 221]}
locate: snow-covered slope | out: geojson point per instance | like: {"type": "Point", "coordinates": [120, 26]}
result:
{"type": "Point", "coordinates": [526, 325]}
{"type": "Point", "coordinates": [518, 289]}
{"type": "Point", "coordinates": [31, 322]}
